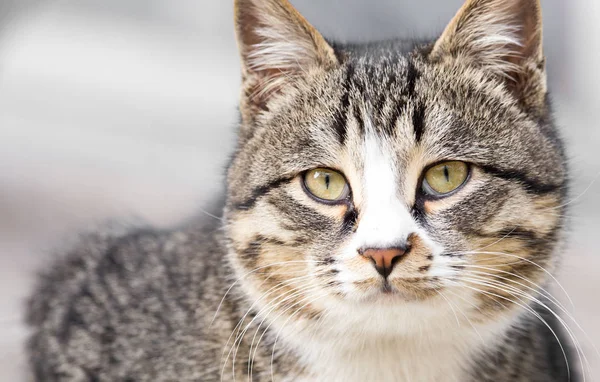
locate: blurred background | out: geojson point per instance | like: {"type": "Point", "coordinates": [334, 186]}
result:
{"type": "Point", "coordinates": [127, 108]}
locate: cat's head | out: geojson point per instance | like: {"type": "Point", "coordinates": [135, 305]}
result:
{"type": "Point", "coordinates": [395, 174]}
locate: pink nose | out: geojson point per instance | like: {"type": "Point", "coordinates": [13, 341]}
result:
{"type": "Point", "coordinates": [384, 259]}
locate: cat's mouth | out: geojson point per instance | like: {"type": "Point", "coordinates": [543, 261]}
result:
{"type": "Point", "coordinates": [387, 293]}
{"type": "Point", "coordinates": [401, 289]}
{"type": "Point", "coordinates": [387, 288]}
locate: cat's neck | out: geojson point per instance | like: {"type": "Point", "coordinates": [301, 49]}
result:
{"type": "Point", "coordinates": [337, 348]}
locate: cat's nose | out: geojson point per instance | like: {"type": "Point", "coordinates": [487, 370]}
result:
{"type": "Point", "coordinates": [384, 259]}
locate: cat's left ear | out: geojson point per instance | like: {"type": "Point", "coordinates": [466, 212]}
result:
{"type": "Point", "coordinates": [503, 37]}
{"type": "Point", "coordinates": [276, 45]}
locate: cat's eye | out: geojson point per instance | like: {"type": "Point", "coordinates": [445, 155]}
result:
{"type": "Point", "coordinates": [444, 178]}
{"type": "Point", "coordinates": [326, 185]}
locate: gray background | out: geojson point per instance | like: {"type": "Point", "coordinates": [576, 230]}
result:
{"type": "Point", "coordinates": [120, 108]}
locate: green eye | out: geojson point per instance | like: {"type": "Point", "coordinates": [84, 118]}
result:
{"type": "Point", "coordinates": [326, 185]}
{"type": "Point", "coordinates": [445, 177]}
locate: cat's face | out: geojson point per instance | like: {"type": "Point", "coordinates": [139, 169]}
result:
{"type": "Point", "coordinates": [391, 174]}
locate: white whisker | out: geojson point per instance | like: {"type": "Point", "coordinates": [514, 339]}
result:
{"type": "Point", "coordinates": [251, 272]}
{"type": "Point", "coordinates": [284, 324]}
{"type": "Point", "coordinates": [461, 312]}
{"type": "Point", "coordinates": [527, 261]}
{"type": "Point", "coordinates": [515, 293]}
{"type": "Point", "coordinates": [536, 315]}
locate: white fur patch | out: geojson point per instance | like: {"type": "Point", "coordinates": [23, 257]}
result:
{"type": "Point", "coordinates": [385, 221]}
{"type": "Point", "coordinates": [393, 342]}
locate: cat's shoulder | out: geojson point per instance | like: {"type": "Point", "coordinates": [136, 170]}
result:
{"type": "Point", "coordinates": [106, 257]}
{"type": "Point", "coordinates": [125, 295]}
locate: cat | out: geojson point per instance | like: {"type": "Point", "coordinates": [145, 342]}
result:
{"type": "Point", "coordinates": [393, 211]}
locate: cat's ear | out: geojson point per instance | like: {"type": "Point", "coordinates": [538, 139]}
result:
{"type": "Point", "coordinates": [503, 36]}
{"type": "Point", "coordinates": [276, 44]}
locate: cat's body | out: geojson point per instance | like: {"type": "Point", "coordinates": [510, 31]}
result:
{"type": "Point", "coordinates": [285, 284]}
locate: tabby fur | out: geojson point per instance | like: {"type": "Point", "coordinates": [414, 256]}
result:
{"type": "Point", "coordinates": [276, 289]}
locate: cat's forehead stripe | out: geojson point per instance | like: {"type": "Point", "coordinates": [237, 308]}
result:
{"type": "Point", "coordinates": [341, 116]}
{"type": "Point", "coordinates": [388, 88]}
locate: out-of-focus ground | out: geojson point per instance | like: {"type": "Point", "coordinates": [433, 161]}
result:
{"type": "Point", "coordinates": [120, 108]}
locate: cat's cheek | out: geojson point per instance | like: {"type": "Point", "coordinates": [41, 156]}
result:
{"type": "Point", "coordinates": [245, 226]}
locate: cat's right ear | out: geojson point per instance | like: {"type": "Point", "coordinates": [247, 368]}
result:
{"type": "Point", "coordinates": [276, 45]}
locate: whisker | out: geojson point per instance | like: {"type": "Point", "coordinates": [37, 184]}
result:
{"type": "Point", "coordinates": [211, 215]}
{"type": "Point", "coordinates": [299, 292]}
{"type": "Point", "coordinates": [497, 241]}
{"type": "Point", "coordinates": [272, 305]}
{"type": "Point", "coordinates": [530, 262]}
{"type": "Point", "coordinates": [450, 305]}
{"type": "Point", "coordinates": [239, 336]}
{"type": "Point", "coordinates": [273, 289]}
{"type": "Point", "coordinates": [552, 299]}
{"type": "Point", "coordinates": [461, 312]}
{"type": "Point", "coordinates": [537, 289]}
{"type": "Point", "coordinates": [251, 364]}
{"type": "Point", "coordinates": [537, 315]}
{"type": "Point", "coordinates": [284, 324]}
{"type": "Point", "coordinates": [251, 272]}
{"type": "Point", "coordinates": [465, 300]}
{"type": "Point", "coordinates": [575, 340]}
{"type": "Point", "coordinates": [515, 292]}
{"type": "Point", "coordinates": [589, 186]}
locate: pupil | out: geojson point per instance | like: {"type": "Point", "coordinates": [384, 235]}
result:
{"type": "Point", "coordinates": [327, 181]}
{"type": "Point", "coordinates": [446, 173]}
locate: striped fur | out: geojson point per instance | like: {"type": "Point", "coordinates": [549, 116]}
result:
{"type": "Point", "coordinates": [278, 289]}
